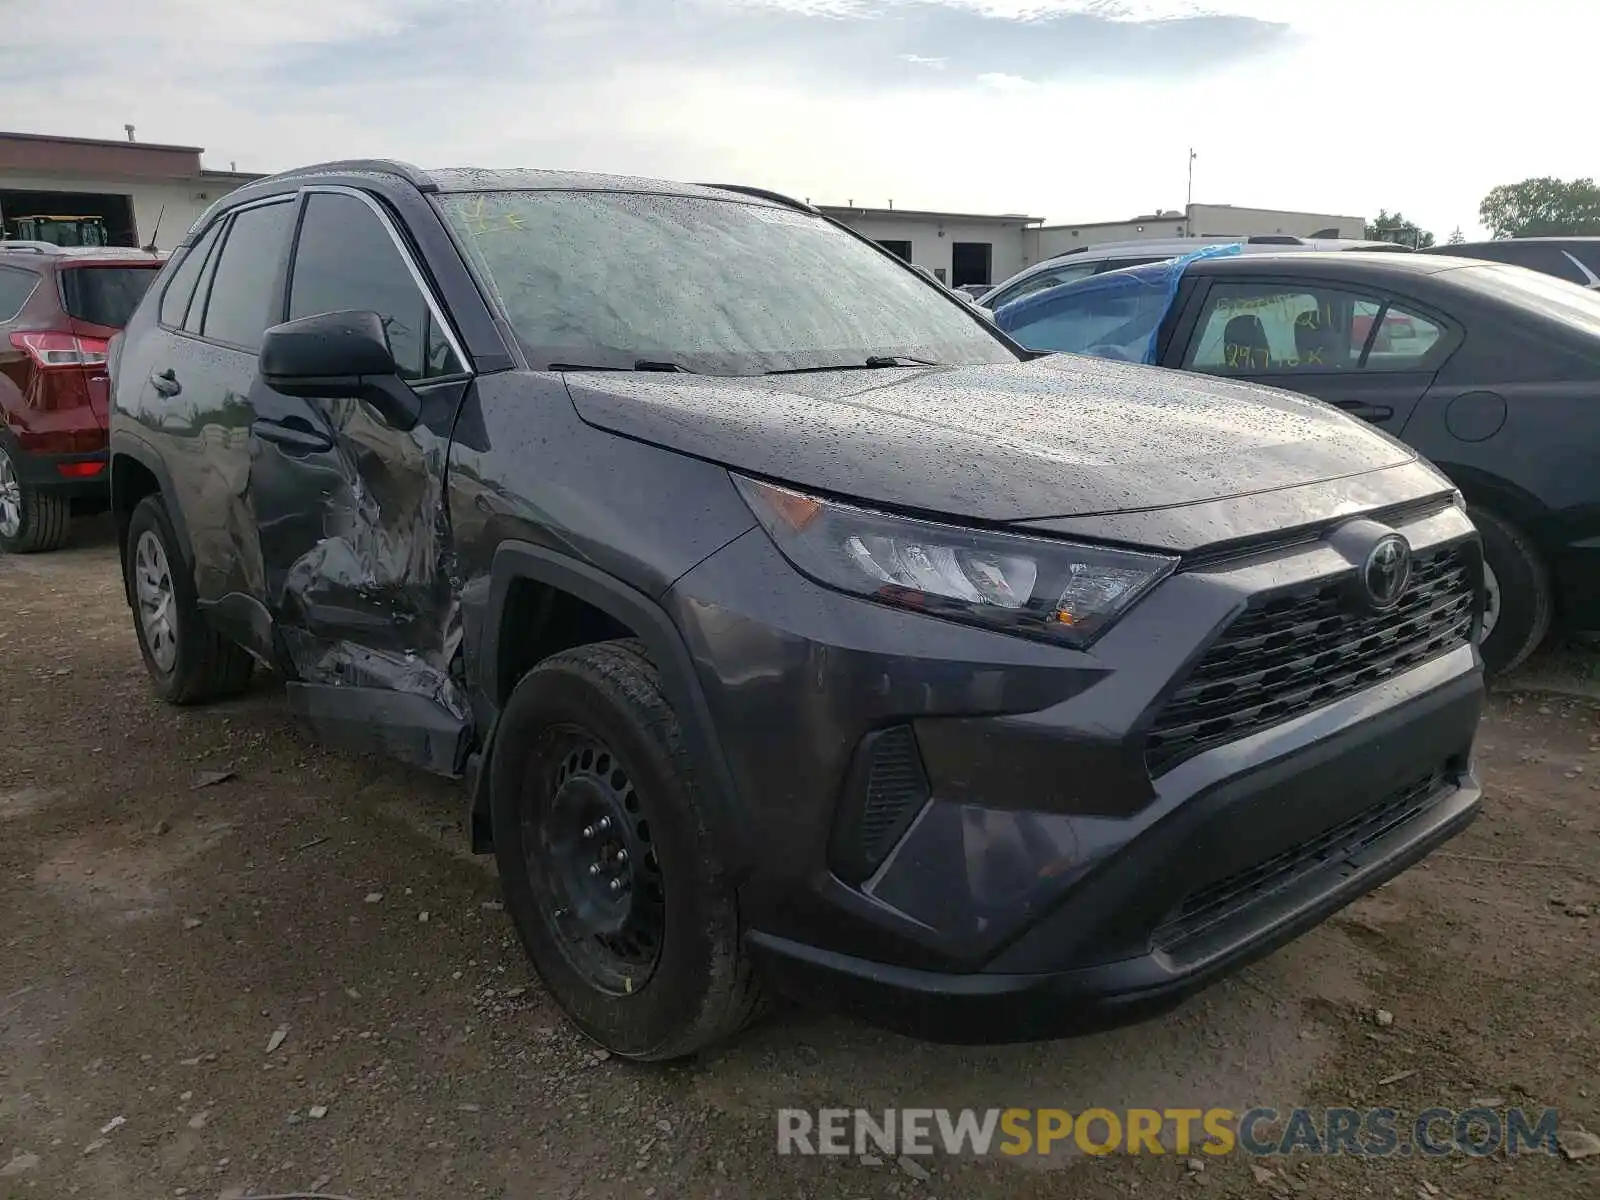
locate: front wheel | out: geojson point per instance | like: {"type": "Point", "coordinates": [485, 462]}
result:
{"type": "Point", "coordinates": [606, 862]}
{"type": "Point", "coordinates": [1518, 602]}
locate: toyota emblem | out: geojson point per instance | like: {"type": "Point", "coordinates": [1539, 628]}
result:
{"type": "Point", "coordinates": [1387, 571]}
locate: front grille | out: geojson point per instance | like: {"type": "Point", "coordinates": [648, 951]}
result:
{"type": "Point", "coordinates": [1209, 906]}
{"type": "Point", "coordinates": [1296, 651]}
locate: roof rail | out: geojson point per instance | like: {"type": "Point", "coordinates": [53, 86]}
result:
{"type": "Point", "coordinates": [764, 194]}
{"type": "Point", "coordinates": [28, 247]}
{"type": "Point", "coordinates": [1275, 239]}
{"type": "Point", "coordinates": [414, 175]}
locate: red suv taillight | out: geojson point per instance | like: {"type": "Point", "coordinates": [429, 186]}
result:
{"type": "Point", "coordinates": [61, 349]}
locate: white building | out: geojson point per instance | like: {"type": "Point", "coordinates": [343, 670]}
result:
{"type": "Point", "coordinates": [140, 190]}
{"type": "Point", "coordinates": [962, 248]}
{"type": "Point", "coordinates": [1201, 220]}
{"type": "Point", "coordinates": [957, 247]}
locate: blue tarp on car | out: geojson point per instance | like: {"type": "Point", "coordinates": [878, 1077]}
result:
{"type": "Point", "coordinates": [1115, 315]}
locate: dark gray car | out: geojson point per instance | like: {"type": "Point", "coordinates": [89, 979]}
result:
{"type": "Point", "coordinates": [791, 626]}
{"type": "Point", "coordinates": [1575, 259]}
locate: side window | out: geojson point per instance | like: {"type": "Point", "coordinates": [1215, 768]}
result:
{"type": "Point", "coordinates": [241, 304]}
{"type": "Point", "coordinates": [1115, 322]}
{"type": "Point", "coordinates": [15, 288]}
{"type": "Point", "coordinates": [1045, 279]}
{"type": "Point", "coordinates": [180, 289]}
{"type": "Point", "coordinates": [1074, 323]}
{"type": "Point", "coordinates": [1403, 339]}
{"type": "Point", "coordinates": [1287, 328]}
{"type": "Point", "coordinates": [345, 260]}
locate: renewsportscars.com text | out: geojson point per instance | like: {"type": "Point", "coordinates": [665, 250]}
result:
{"type": "Point", "coordinates": [1369, 1133]}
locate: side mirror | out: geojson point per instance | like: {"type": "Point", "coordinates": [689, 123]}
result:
{"type": "Point", "coordinates": [338, 354]}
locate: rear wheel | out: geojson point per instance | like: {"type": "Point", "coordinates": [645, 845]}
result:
{"type": "Point", "coordinates": [188, 661]}
{"type": "Point", "coordinates": [605, 860]}
{"type": "Point", "coordinates": [1518, 604]}
{"type": "Point", "coordinates": [30, 520]}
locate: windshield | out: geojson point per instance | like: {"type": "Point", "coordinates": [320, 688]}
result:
{"type": "Point", "coordinates": [105, 295]}
{"type": "Point", "coordinates": [611, 279]}
{"type": "Point", "coordinates": [1570, 303]}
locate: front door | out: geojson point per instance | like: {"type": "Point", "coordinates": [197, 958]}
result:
{"type": "Point", "coordinates": [351, 511]}
{"type": "Point", "coordinates": [1372, 355]}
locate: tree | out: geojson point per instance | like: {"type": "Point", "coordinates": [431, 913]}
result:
{"type": "Point", "coordinates": [1456, 236]}
{"type": "Point", "coordinates": [1543, 207]}
{"type": "Point", "coordinates": [1392, 227]}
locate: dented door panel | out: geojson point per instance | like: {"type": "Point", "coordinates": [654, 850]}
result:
{"type": "Point", "coordinates": [355, 539]}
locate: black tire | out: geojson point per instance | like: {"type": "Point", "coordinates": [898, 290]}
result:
{"type": "Point", "coordinates": [205, 665]}
{"type": "Point", "coordinates": [45, 516]}
{"type": "Point", "coordinates": [701, 987]}
{"type": "Point", "coordinates": [1526, 601]}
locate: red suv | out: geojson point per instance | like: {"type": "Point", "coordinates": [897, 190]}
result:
{"type": "Point", "coordinates": [59, 308]}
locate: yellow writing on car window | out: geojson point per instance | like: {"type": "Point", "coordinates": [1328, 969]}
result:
{"type": "Point", "coordinates": [1239, 357]}
{"type": "Point", "coordinates": [479, 220]}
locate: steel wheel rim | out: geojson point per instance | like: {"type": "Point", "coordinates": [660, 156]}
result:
{"type": "Point", "coordinates": [152, 581]}
{"type": "Point", "coordinates": [1491, 600]}
{"type": "Point", "coordinates": [10, 498]}
{"type": "Point", "coordinates": [593, 866]}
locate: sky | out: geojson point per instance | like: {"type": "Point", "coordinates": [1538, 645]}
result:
{"type": "Point", "coordinates": [1072, 110]}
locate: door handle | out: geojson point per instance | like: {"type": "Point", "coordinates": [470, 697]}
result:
{"type": "Point", "coordinates": [1369, 412]}
{"type": "Point", "coordinates": [292, 433]}
{"type": "Point", "coordinates": [166, 382]}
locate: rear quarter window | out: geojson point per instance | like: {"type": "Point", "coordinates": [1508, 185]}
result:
{"type": "Point", "coordinates": [180, 287]}
{"type": "Point", "coordinates": [105, 295]}
{"type": "Point", "coordinates": [15, 288]}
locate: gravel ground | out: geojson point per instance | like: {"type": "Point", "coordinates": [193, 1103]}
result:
{"type": "Point", "coordinates": [235, 963]}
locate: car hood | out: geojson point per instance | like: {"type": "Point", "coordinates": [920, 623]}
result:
{"type": "Point", "coordinates": [1063, 435]}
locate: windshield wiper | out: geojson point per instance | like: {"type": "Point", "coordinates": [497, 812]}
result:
{"type": "Point", "coordinates": [639, 364]}
{"type": "Point", "coordinates": [871, 363]}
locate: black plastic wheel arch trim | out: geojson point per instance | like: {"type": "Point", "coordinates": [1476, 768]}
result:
{"type": "Point", "coordinates": [515, 561]}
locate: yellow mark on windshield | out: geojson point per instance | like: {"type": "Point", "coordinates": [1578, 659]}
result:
{"type": "Point", "coordinates": [479, 220]}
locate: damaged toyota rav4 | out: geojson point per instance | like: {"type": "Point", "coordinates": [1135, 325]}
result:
{"type": "Point", "coordinates": [793, 629]}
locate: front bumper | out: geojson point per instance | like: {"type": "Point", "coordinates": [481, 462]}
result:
{"type": "Point", "coordinates": [1050, 880]}
{"type": "Point", "coordinates": [1250, 912]}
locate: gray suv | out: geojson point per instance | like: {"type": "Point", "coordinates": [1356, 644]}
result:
{"type": "Point", "coordinates": [790, 626]}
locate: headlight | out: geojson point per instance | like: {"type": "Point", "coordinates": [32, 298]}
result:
{"type": "Point", "coordinates": [1056, 591]}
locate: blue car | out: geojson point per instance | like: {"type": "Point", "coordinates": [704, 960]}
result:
{"type": "Point", "coordinates": [1116, 315]}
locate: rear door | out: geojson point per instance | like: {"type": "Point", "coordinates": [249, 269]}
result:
{"type": "Point", "coordinates": [198, 378]}
{"type": "Point", "coordinates": [17, 368]}
{"type": "Point", "coordinates": [16, 364]}
{"type": "Point", "coordinates": [1368, 352]}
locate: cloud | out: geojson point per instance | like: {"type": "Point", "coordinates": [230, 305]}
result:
{"type": "Point", "coordinates": [857, 43]}
{"type": "Point", "coordinates": [938, 103]}
{"type": "Point", "coordinates": [1001, 82]}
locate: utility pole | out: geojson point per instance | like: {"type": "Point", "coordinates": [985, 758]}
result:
{"type": "Point", "coordinates": [1188, 201]}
